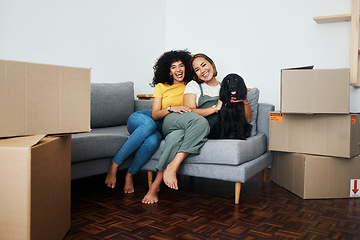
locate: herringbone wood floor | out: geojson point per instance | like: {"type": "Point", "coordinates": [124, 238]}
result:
{"type": "Point", "coordinates": [204, 209]}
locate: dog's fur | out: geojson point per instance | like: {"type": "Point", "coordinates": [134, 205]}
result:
{"type": "Point", "coordinates": [232, 123]}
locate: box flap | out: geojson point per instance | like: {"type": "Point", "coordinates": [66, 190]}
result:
{"type": "Point", "coordinates": [22, 142]}
{"type": "Point", "coordinates": [299, 68]}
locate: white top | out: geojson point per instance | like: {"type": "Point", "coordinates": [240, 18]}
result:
{"type": "Point", "coordinates": [193, 87]}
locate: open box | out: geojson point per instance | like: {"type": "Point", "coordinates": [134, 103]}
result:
{"type": "Point", "coordinates": [35, 179]}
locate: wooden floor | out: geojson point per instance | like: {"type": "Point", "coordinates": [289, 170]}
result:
{"type": "Point", "coordinates": [205, 209]}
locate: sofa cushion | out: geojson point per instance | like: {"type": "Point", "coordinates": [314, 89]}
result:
{"type": "Point", "coordinates": [240, 173]}
{"type": "Point", "coordinates": [98, 143]}
{"type": "Point", "coordinates": [111, 103]}
{"type": "Point", "coordinates": [253, 97]}
{"type": "Point", "coordinates": [225, 151]}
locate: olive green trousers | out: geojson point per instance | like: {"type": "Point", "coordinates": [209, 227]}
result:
{"type": "Point", "coordinates": [183, 133]}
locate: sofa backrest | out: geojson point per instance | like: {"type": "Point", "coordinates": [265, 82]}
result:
{"type": "Point", "coordinates": [253, 97]}
{"type": "Point", "coordinates": [111, 103]}
{"type": "Point", "coordinates": [263, 119]}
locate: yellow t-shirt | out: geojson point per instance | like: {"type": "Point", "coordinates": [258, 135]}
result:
{"type": "Point", "coordinates": [171, 95]}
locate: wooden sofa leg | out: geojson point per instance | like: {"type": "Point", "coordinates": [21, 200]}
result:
{"type": "Point", "coordinates": [237, 192]}
{"type": "Point", "coordinates": [150, 177]}
{"type": "Point", "coordinates": [265, 174]}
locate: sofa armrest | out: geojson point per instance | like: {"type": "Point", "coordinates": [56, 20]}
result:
{"type": "Point", "coordinates": [264, 118]}
{"type": "Point", "coordinates": [143, 105]}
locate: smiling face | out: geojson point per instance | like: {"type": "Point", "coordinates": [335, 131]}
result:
{"type": "Point", "coordinates": [203, 69]}
{"type": "Point", "coordinates": [177, 71]}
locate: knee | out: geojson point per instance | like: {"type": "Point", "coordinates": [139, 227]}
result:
{"type": "Point", "coordinates": [149, 125]}
{"type": "Point", "coordinates": [205, 127]}
{"type": "Point", "coordinates": [201, 123]}
{"type": "Point", "coordinates": [137, 120]}
{"type": "Point", "coordinates": [153, 141]}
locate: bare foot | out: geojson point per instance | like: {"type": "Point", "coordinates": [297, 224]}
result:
{"type": "Point", "coordinates": [152, 196]}
{"type": "Point", "coordinates": [169, 178]}
{"type": "Point", "coordinates": [129, 186]}
{"type": "Point", "coordinates": [169, 175]}
{"type": "Point", "coordinates": [111, 176]}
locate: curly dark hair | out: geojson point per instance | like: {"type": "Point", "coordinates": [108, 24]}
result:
{"type": "Point", "coordinates": [207, 59]}
{"type": "Point", "coordinates": [163, 64]}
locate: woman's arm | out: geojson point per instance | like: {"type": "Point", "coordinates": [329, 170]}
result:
{"type": "Point", "coordinates": [247, 110]}
{"type": "Point", "coordinates": [158, 113]}
{"type": "Point", "coordinates": [190, 102]}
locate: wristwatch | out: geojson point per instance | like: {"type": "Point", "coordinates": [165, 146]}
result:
{"type": "Point", "coordinates": [169, 109]}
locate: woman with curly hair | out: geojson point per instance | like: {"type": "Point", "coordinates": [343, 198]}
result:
{"type": "Point", "coordinates": [146, 136]}
{"type": "Point", "coordinates": [185, 131]}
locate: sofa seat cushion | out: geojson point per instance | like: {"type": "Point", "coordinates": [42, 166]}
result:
{"type": "Point", "coordinates": [225, 151]}
{"type": "Point", "coordinates": [98, 143]}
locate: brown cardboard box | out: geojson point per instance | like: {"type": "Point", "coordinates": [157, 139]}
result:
{"type": "Point", "coordinates": [336, 135]}
{"type": "Point", "coordinates": [43, 99]}
{"type": "Point", "coordinates": [315, 177]}
{"type": "Point", "coordinates": [315, 91]}
{"type": "Point", "coordinates": [35, 187]}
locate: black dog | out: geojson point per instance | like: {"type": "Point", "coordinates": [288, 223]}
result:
{"type": "Point", "coordinates": [232, 123]}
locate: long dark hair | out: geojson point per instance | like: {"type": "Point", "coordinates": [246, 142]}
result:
{"type": "Point", "coordinates": [164, 62]}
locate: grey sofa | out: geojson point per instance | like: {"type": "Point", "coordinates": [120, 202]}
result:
{"type": "Point", "coordinates": [229, 160]}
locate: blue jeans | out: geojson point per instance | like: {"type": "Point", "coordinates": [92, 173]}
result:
{"type": "Point", "coordinates": [145, 138]}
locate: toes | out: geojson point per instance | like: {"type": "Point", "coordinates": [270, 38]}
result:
{"type": "Point", "coordinates": [149, 200]}
{"type": "Point", "coordinates": [145, 200]}
{"type": "Point", "coordinates": [128, 190]}
{"type": "Point", "coordinates": [110, 184]}
{"type": "Point", "coordinates": [172, 185]}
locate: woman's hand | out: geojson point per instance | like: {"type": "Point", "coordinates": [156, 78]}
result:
{"type": "Point", "coordinates": [246, 101]}
{"type": "Point", "coordinates": [218, 105]}
{"type": "Point", "coordinates": [180, 109]}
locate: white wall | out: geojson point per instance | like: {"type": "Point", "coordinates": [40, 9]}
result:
{"type": "Point", "coordinates": [256, 39]}
{"type": "Point", "coordinates": [121, 39]}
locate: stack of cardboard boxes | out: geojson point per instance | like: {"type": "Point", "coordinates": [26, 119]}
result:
{"type": "Point", "coordinates": [38, 101]}
{"type": "Point", "coordinates": [316, 141]}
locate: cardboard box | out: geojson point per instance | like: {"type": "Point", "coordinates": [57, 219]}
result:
{"type": "Point", "coordinates": [315, 91]}
{"type": "Point", "coordinates": [35, 187]}
{"type": "Point", "coordinates": [43, 99]}
{"type": "Point", "coordinates": [336, 135]}
{"type": "Point", "coordinates": [315, 177]}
